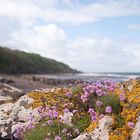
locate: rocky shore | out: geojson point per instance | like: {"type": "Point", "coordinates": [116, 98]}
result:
{"type": "Point", "coordinates": [28, 82]}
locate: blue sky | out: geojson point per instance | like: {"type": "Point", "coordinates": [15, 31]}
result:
{"type": "Point", "coordinates": [89, 35]}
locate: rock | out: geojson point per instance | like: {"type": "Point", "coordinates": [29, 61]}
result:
{"type": "Point", "coordinates": [100, 132]}
{"type": "Point", "coordinates": [8, 92]}
{"type": "Point", "coordinates": [2, 80]}
{"type": "Point", "coordinates": [12, 113]}
{"type": "Point", "coordinates": [67, 118]}
{"type": "Point", "coordinates": [135, 134]}
{"type": "Point", "coordinates": [5, 98]}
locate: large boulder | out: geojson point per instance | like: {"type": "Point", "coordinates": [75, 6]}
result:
{"type": "Point", "coordinates": [100, 132]}
{"type": "Point", "coordinates": [14, 113]}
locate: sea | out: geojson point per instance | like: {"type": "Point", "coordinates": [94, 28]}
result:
{"type": "Point", "coordinates": [117, 77]}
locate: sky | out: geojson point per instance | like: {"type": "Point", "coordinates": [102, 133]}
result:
{"type": "Point", "coordinates": [88, 35]}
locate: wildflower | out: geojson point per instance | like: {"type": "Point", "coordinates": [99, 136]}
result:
{"type": "Point", "coordinates": [77, 131]}
{"type": "Point", "coordinates": [122, 97]}
{"type": "Point", "coordinates": [18, 132]}
{"type": "Point", "coordinates": [55, 113]}
{"type": "Point", "coordinates": [50, 114]}
{"type": "Point", "coordinates": [86, 94]}
{"type": "Point", "coordinates": [64, 130]}
{"type": "Point", "coordinates": [91, 110]}
{"type": "Point", "coordinates": [108, 109]}
{"type": "Point", "coordinates": [66, 110]}
{"type": "Point", "coordinates": [50, 122]}
{"type": "Point", "coordinates": [84, 98]}
{"type": "Point", "coordinates": [101, 116]}
{"type": "Point", "coordinates": [53, 107]}
{"type": "Point", "coordinates": [99, 92]}
{"type": "Point", "coordinates": [58, 138]}
{"type": "Point", "coordinates": [66, 104]}
{"type": "Point", "coordinates": [92, 114]}
{"type": "Point", "coordinates": [69, 134]}
{"type": "Point", "coordinates": [74, 111]}
{"type": "Point", "coordinates": [130, 124]}
{"type": "Point", "coordinates": [69, 94]}
{"type": "Point", "coordinates": [47, 139]}
{"type": "Point", "coordinates": [98, 103]}
{"type": "Point", "coordinates": [67, 118]}
{"type": "Point", "coordinates": [31, 126]}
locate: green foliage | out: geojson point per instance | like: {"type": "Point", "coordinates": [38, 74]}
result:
{"type": "Point", "coordinates": [82, 123]}
{"type": "Point", "coordinates": [77, 90]}
{"type": "Point", "coordinates": [110, 100]}
{"type": "Point", "coordinates": [119, 120]}
{"type": "Point", "coordinates": [41, 132]}
{"type": "Point", "coordinates": [21, 62]}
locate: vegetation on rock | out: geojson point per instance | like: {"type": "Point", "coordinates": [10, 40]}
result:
{"type": "Point", "coordinates": [67, 112]}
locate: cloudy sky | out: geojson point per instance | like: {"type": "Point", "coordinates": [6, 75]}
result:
{"type": "Point", "coordinates": [89, 35]}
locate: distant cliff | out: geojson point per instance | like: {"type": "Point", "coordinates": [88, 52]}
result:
{"type": "Point", "coordinates": [15, 61]}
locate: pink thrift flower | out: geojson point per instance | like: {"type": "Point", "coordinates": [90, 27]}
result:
{"type": "Point", "coordinates": [98, 103]}
{"type": "Point", "coordinates": [108, 109]}
{"type": "Point", "coordinates": [58, 138]}
{"type": "Point", "coordinates": [55, 113]}
{"type": "Point", "coordinates": [91, 110]}
{"type": "Point", "coordinates": [50, 122]}
{"type": "Point", "coordinates": [77, 131]}
{"type": "Point", "coordinates": [86, 94]}
{"type": "Point", "coordinates": [101, 116]}
{"type": "Point", "coordinates": [66, 110]}
{"type": "Point", "coordinates": [122, 97]}
{"type": "Point", "coordinates": [99, 92]}
{"type": "Point", "coordinates": [92, 114]}
{"type": "Point", "coordinates": [69, 134]}
{"type": "Point", "coordinates": [84, 98]}
{"type": "Point", "coordinates": [74, 111]}
{"type": "Point", "coordinates": [69, 94]}
{"type": "Point", "coordinates": [64, 130]}
{"type": "Point", "coordinates": [130, 124]}
{"type": "Point", "coordinates": [66, 104]}
{"type": "Point", "coordinates": [47, 139]}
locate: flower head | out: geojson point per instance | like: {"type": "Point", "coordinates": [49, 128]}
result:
{"type": "Point", "coordinates": [84, 98]}
{"type": "Point", "coordinates": [98, 103]}
{"type": "Point", "coordinates": [122, 97]}
{"type": "Point", "coordinates": [92, 114]}
{"type": "Point", "coordinates": [108, 109]}
{"type": "Point", "coordinates": [130, 124]}
{"type": "Point", "coordinates": [69, 94]}
{"type": "Point", "coordinates": [50, 122]}
{"type": "Point", "coordinates": [58, 138]}
{"type": "Point", "coordinates": [101, 116]}
{"type": "Point", "coordinates": [64, 130]}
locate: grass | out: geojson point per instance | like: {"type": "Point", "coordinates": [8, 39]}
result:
{"type": "Point", "coordinates": [41, 132]}
{"type": "Point", "coordinates": [110, 100]}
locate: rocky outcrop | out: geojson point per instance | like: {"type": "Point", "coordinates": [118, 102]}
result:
{"type": "Point", "coordinates": [12, 114]}
{"type": "Point", "coordinates": [8, 93]}
{"type": "Point", "coordinates": [136, 132]}
{"type": "Point", "coordinates": [100, 132]}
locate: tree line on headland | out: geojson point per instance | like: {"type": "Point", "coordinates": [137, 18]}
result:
{"type": "Point", "coordinates": [19, 62]}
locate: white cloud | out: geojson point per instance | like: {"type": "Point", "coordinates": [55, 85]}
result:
{"type": "Point", "coordinates": [134, 26]}
{"type": "Point", "coordinates": [28, 11]}
{"type": "Point", "coordinates": [48, 40]}
{"type": "Point", "coordinates": [102, 54]}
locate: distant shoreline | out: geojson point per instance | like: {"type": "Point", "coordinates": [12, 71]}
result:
{"type": "Point", "coordinates": [28, 82]}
